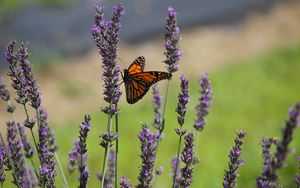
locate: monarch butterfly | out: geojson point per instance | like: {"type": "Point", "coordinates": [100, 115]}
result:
{"type": "Point", "coordinates": [137, 82]}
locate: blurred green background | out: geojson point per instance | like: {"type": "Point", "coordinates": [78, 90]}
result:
{"type": "Point", "coordinates": [254, 69]}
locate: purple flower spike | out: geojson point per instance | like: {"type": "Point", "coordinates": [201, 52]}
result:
{"type": "Point", "coordinates": [234, 161]}
{"type": "Point", "coordinates": [287, 132]}
{"type": "Point", "coordinates": [172, 37]}
{"type": "Point", "coordinates": [5, 96]}
{"type": "Point", "coordinates": [125, 183]}
{"type": "Point", "coordinates": [73, 157]}
{"type": "Point", "coordinates": [148, 141]}
{"type": "Point", "coordinates": [105, 34]}
{"type": "Point", "coordinates": [47, 170]}
{"type": "Point", "coordinates": [205, 102]}
{"type": "Point", "coordinates": [32, 89]}
{"type": "Point", "coordinates": [4, 93]}
{"type": "Point", "coordinates": [78, 155]}
{"type": "Point", "coordinates": [110, 178]}
{"type": "Point", "coordinates": [268, 175]}
{"type": "Point", "coordinates": [156, 102]}
{"type": "Point", "coordinates": [20, 172]}
{"type": "Point", "coordinates": [29, 150]}
{"type": "Point", "coordinates": [183, 99]}
{"type": "Point", "coordinates": [15, 73]}
{"type": "Point", "coordinates": [187, 158]}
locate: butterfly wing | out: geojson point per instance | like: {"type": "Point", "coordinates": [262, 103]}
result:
{"type": "Point", "coordinates": [137, 66]}
{"type": "Point", "coordinates": [139, 84]}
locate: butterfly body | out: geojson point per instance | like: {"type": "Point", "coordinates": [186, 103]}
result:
{"type": "Point", "coordinates": [137, 82]}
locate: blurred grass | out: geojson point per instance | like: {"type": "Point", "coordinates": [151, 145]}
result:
{"type": "Point", "coordinates": [253, 95]}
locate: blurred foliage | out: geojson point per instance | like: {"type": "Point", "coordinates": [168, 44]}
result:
{"type": "Point", "coordinates": [254, 95]}
{"type": "Point", "coordinates": [8, 7]}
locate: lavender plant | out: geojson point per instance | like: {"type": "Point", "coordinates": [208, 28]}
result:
{"type": "Point", "coordinates": [230, 177]}
{"type": "Point", "coordinates": [282, 147]}
{"type": "Point", "coordinates": [148, 141]}
{"type": "Point", "coordinates": [183, 99]}
{"type": "Point", "coordinates": [125, 183]}
{"type": "Point", "coordinates": [78, 155]}
{"type": "Point", "coordinates": [106, 33]}
{"type": "Point", "coordinates": [47, 170]}
{"type": "Point", "coordinates": [20, 173]}
{"type": "Point", "coordinates": [274, 162]}
{"type": "Point", "coordinates": [268, 176]}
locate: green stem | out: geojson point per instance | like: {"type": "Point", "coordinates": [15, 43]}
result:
{"type": "Point", "coordinates": [104, 165]}
{"type": "Point", "coordinates": [107, 149]}
{"type": "Point", "coordinates": [117, 151]}
{"type": "Point", "coordinates": [162, 120]}
{"type": "Point", "coordinates": [61, 170]}
{"type": "Point", "coordinates": [177, 158]}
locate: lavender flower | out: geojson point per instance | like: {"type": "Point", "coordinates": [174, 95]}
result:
{"type": "Point", "coordinates": [78, 155]}
{"type": "Point", "coordinates": [5, 96]}
{"type": "Point", "coordinates": [156, 102]}
{"type": "Point", "coordinates": [47, 170]}
{"type": "Point", "coordinates": [110, 178]}
{"type": "Point", "coordinates": [29, 150]}
{"type": "Point", "coordinates": [2, 164]}
{"type": "Point", "coordinates": [287, 132]}
{"type": "Point", "coordinates": [183, 99]}
{"type": "Point", "coordinates": [16, 74]}
{"type": "Point", "coordinates": [187, 158]}
{"type": "Point", "coordinates": [30, 82]}
{"type": "Point", "coordinates": [4, 93]}
{"type": "Point", "coordinates": [73, 157]}
{"type": "Point", "coordinates": [105, 34]}
{"type": "Point", "coordinates": [234, 161]}
{"type": "Point", "coordinates": [268, 176]}
{"type": "Point", "coordinates": [172, 37]}
{"type": "Point", "coordinates": [148, 141]}
{"type": "Point", "coordinates": [205, 102]}
{"type": "Point", "coordinates": [297, 176]}
{"type": "Point", "coordinates": [125, 183]}
{"type": "Point", "coordinates": [20, 174]}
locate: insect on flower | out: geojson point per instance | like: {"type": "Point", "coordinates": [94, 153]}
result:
{"type": "Point", "coordinates": [137, 82]}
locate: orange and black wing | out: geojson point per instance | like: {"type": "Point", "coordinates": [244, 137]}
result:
{"type": "Point", "coordinates": [137, 66]}
{"type": "Point", "coordinates": [139, 84]}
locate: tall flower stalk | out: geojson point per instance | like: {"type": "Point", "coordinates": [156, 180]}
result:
{"type": "Point", "coordinates": [106, 35]}
{"type": "Point", "coordinates": [183, 99]}
{"type": "Point", "coordinates": [187, 157]}
{"type": "Point", "coordinates": [78, 155]}
{"type": "Point", "coordinates": [25, 84]}
{"type": "Point", "coordinates": [20, 173]}
{"type": "Point", "coordinates": [230, 176]}
{"type": "Point", "coordinates": [148, 141]}
{"type": "Point", "coordinates": [172, 53]}
{"type": "Point", "coordinates": [274, 162]}
{"type": "Point", "coordinates": [268, 176]}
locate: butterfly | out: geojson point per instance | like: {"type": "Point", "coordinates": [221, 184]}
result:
{"type": "Point", "coordinates": [137, 82]}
